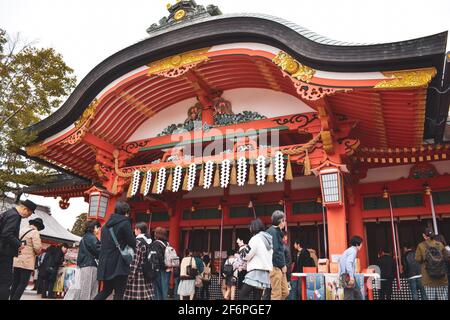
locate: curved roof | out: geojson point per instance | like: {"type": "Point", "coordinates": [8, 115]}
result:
{"type": "Point", "coordinates": [307, 47]}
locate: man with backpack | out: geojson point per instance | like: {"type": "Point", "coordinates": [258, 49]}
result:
{"type": "Point", "coordinates": [411, 270]}
{"type": "Point", "coordinates": [432, 256]}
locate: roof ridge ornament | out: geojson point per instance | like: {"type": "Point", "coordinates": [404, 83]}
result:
{"type": "Point", "coordinates": [184, 10]}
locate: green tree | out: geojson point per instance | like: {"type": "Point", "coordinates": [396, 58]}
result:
{"type": "Point", "coordinates": [33, 83]}
{"type": "Point", "coordinates": [79, 225]}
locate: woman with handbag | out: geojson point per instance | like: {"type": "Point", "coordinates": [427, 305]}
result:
{"type": "Point", "coordinates": [86, 284]}
{"type": "Point", "coordinates": [188, 273]}
{"type": "Point", "coordinates": [116, 255]}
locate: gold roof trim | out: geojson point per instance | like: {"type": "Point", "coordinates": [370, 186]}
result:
{"type": "Point", "coordinates": [407, 78]}
{"type": "Point", "coordinates": [293, 67]}
{"type": "Point", "coordinates": [178, 61]}
{"type": "Point", "coordinates": [36, 149]}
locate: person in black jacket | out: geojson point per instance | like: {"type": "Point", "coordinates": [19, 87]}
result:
{"type": "Point", "coordinates": [412, 271]}
{"type": "Point", "coordinates": [10, 244]}
{"type": "Point", "coordinates": [302, 258]}
{"type": "Point", "coordinates": [88, 254]}
{"type": "Point", "coordinates": [53, 260]}
{"type": "Point", "coordinates": [112, 268]}
{"type": "Point", "coordinates": [278, 280]}
{"type": "Point", "coordinates": [387, 268]}
{"type": "Point", "coordinates": [161, 283]}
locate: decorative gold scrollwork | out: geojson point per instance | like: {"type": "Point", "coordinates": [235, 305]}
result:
{"type": "Point", "coordinates": [407, 78]}
{"type": "Point", "coordinates": [294, 68]}
{"type": "Point", "coordinates": [178, 65]}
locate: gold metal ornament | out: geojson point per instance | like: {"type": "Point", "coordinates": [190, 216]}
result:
{"type": "Point", "coordinates": [407, 78]}
{"type": "Point", "coordinates": [180, 14]}
{"type": "Point", "coordinates": [185, 60]}
{"type": "Point", "coordinates": [293, 67]}
{"type": "Point", "coordinates": [36, 149]}
{"type": "Point", "coordinates": [87, 114]}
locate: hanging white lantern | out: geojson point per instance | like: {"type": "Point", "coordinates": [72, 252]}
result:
{"type": "Point", "coordinates": [279, 167]}
{"type": "Point", "coordinates": [225, 173]}
{"type": "Point", "coordinates": [260, 170]}
{"type": "Point", "coordinates": [242, 171]}
{"type": "Point", "coordinates": [135, 182]}
{"type": "Point", "coordinates": [208, 174]}
{"type": "Point", "coordinates": [191, 177]}
{"type": "Point", "coordinates": [177, 178]}
{"type": "Point", "coordinates": [161, 180]}
{"type": "Point", "coordinates": [148, 182]}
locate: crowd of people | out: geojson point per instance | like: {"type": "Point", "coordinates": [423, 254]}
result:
{"type": "Point", "coordinates": [128, 264]}
{"type": "Point", "coordinates": [426, 267]}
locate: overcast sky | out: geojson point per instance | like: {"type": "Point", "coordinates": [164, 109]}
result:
{"type": "Point", "coordinates": [86, 32]}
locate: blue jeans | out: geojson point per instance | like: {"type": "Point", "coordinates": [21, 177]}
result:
{"type": "Point", "coordinates": [175, 289]}
{"type": "Point", "coordinates": [162, 285]}
{"type": "Point", "coordinates": [294, 293]}
{"type": "Point", "coordinates": [416, 284]}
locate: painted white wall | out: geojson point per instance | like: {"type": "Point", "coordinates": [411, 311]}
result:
{"type": "Point", "coordinates": [398, 172]}
{"type": "Point", "coordinates": [267, 102]}
{"type": "Point", "coordinates": [319, 73]}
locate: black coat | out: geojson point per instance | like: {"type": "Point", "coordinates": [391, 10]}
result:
{"type": "Point", "coordinates": [111, 264]}
{"type": "Point", "coordinates": [288, 259]}
{"type": "Point", "coordinates": [303, 259]}
{"type": "Point", "coordinates": [89, 251]}
{"type": "Point", "coordinates": [278, 259]}
{"type": "Point", "coordinates": [387, 267]}
{"type": "Point", "coordinates": [9, 233]}
{"type": "Point", "coordinates": [411, 267]}
{"type": "Point", "coordinates": [54, 258]}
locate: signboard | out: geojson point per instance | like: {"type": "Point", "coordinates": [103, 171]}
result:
{"type": "Point", "coordinates": [315, 286]}
{"type": "Point", "coordinates": [333, 290]}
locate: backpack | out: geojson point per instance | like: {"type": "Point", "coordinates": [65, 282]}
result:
{"type": "Point", "coordinates": [206, 274]}
{"type": "Point", "coordinates": [171, 259]}
{"type": "Point", "coordinates": [228, 269]}
{"type": "Point", "coordinates": [150, 265]}
{"type": "Point", "coordinates": [434, 262]}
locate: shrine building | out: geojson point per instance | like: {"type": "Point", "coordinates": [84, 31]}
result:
{"type": "Point", "coordinates": [215, 119]}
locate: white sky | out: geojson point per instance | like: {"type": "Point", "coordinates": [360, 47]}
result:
{"type": "Point", "coordinates": [86, 32]}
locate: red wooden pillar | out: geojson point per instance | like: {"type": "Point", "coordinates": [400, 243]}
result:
{"type": "Point", "coordinates": [111, 206]}
{"type": "Point", "coordinates": [174, 227]}
{"type": "Point", "coordinates": [356, 223]}
{"type": "Point", "coordinates": [337, 230]}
